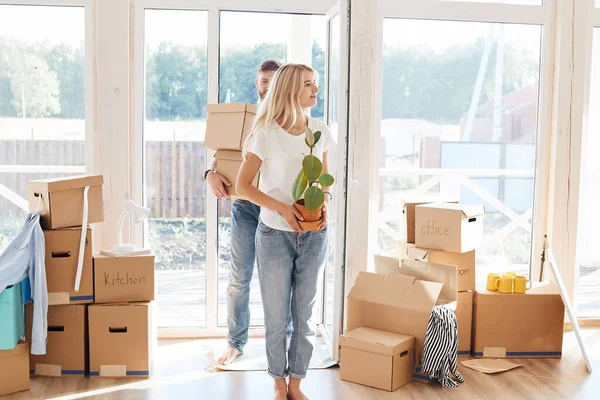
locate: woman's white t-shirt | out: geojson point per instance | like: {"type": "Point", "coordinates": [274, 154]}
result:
{"type": "Point", "coordinates": [281, 154]}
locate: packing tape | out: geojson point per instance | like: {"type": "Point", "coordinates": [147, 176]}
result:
{"type": "Point", "coordinates": [48, 370]}
{"type": "Point", "coordinates": [84, 223]}
{"type": "Point", "coordinates": [58, 298]}
{"type": "Point", "coordinates": [494, 352]}
{"type": "Point", "coordinates": [113, 370]}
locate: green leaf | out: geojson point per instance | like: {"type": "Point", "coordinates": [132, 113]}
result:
{"type": "Point", "coordinates": [326, 180]}
{"type": "Point", "coordinates": [312, 168]}
{"type": "Point", "coordinates": [317, 137]}
{"type": "Point", "coordinates": [300, 184]}
{"type": "Point", "coordinates": [313, 198]}
{"type": "Point", "coordinates": [310, 137]}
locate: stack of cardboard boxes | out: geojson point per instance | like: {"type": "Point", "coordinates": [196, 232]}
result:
{"type": "Point", "coordinates": [120, 320]}
{"type": "Point", "coordinates": [61, 203]}
{"type": "Point", "coordinates": [437, 268]}
{"type": "Point", "coordinates": [227, 129]}
{"type": "Point", "coordinates": [112, 337]}
{"type": "Point", "coordinates": [448, 233]}
{"type": "Point", "coordinates": [388, 311]}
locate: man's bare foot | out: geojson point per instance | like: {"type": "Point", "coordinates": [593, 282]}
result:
{"type": "Point", "coordinates": [280, 387]}
{"type": "Point", "coordinates": [294, 392]}
{"type": "Point", "coordinates": [231, 354]}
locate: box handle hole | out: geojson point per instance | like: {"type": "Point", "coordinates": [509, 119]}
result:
{"type": "Point", "coordinates": [56, 328]}
{"type": "Point", "coordinates": [117, 330]}
{"type": "Point", "coordinates": [405, 352]}
{"type": "Point", "coordinates": [472, 219]}
{"type": "Point", "coordinates": [61, 254]}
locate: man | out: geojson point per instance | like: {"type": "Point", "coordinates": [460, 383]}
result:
{"type": "Point", "coordinates": [244, 222]}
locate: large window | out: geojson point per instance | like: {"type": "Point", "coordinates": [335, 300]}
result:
{"type": "Point", "coordinates": [42, 103]}
{"type": "Point", "coordinates": [459, 119]}
{"type": "Point", "coordinates": [267, 36]}
{"type": "Point", "coordinates": [589, 212]}
{"type": "Point", "coordinates": [174, 161]}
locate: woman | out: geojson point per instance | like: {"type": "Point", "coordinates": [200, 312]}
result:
{"type": "Point", "coordinates": [288, 258]}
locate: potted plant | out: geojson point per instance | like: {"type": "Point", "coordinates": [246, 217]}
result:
{"type": "Point", "coordinates": [307, 187]}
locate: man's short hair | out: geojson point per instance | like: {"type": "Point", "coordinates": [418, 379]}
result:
{"type": "Point", "coordinates": [268, 66]}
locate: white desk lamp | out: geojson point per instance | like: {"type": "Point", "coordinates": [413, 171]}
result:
{"type": "Point", "coordinates": [128, 249]}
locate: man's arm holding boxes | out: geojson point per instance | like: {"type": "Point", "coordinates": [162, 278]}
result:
{"type": "Point", "coordinates": [216, 181]}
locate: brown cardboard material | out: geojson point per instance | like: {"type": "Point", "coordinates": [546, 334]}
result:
{"type": "Point", "coordinates": [228, 165]}
{"type": "Point", "coordinates": [464, 319]}
{"type": "Point", "coordinates": [66, 347]}
{"type": "Point", "coordinates": [456, 228]}
{"type": "Point", "coordinates": [62, 253]}
{"type": "Point", "coordinates": [377, 358]}
{"type": "Point", "coordinates": [490, 366]}
{"type": "Point", "coordinates": [228, 125]}
{"type": "Point", "coordinates": [121, 340]}
{"type": "Point", "coordinates": [123, 279]}
{"type": "Point", "coordinates": [518, 325]}
{"type": "Point", "coordinates": [394, 303]}
{"type": "Point", "coordinates": [61, 202]}
{"type": "Point", "coordinates": [465, 262]}
{"type": "Point", "coordinates": [424, 271]}
{"type": "Point", "coordinates": [14, 369]}
{"type": "Point", "coordinates": [430, 272]}
{"type": "Point", "coordinates": [409, 211]}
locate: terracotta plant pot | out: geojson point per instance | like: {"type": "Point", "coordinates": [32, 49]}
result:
{"type": "Point", "coordinates": [312, 219]}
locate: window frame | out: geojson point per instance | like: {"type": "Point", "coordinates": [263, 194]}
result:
{"type": "Point", "coordinates": [213, 7]}
{"type": "Point", "coordinates": [542, 15]}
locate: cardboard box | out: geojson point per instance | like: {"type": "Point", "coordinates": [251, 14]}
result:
{"type": "Point", "coordinates": [123, 279]}
{"type": "Point", "coordinates": [376, 358]}
{"type": "Point", "coordinates": [228, 165]}
{"type": "Point", "coordinates": [465, 262]}
{"type": "Point", "coordinates": [395, 303]}
{"type": "Point", "coordinates": [445, 274]}
{"type": "Point", "coordinates": [451, 227]}
{"type": "Point", "coordinates": [228, 125]}
{"type": "Point", "coordinates": [409, 211]}
{"type": "Point", "coordinates": [464, 319]}
{"type": "Point", "coordinates": [121, 340]}
{"type": "Point", "coordinates": [66, 347]}
{"type": "Point", "coordinates": [61, 202]}
{"type": "Point", "coordinates": [14, 369]}
{"type": "Point", "coordinates": [518, 325]}
{"type": "Point", "coordinates": [62, 255]}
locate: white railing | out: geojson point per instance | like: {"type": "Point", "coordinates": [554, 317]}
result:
{"type": "Point", "coordinates": [450, 181]}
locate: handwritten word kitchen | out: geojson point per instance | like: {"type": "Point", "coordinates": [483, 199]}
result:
{"type": "Point", "coordinates": [118, 280]}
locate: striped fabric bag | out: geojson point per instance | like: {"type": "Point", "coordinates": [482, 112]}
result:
{"type": "Point", "coordinates": [440, 351]}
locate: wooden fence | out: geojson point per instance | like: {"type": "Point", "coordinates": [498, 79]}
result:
{"type": "Point", "coordinates": [174, 182]}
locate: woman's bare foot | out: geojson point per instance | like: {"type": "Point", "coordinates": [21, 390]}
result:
{"type": "Point", "coordinates": [294, 392]}
{"type": "Point", "coordinates": [280, 387]}
{"type": "Point", "coordinates": [231, 354]}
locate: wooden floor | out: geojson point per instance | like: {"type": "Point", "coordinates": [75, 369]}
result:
{"type": "Point", "coordinates": [181, 373]}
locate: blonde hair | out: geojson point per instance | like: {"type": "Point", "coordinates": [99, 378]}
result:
{"type": "Point", "coordinates": [283, 99]}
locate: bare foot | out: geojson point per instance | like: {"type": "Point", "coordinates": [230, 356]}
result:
{"type": "Point", "coordinates": [294, 392]}
{"type": "Point", "coordinates": [280, 387]}
{"type": "Point", "coordinates": [231, 354]}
